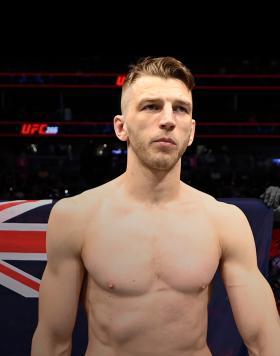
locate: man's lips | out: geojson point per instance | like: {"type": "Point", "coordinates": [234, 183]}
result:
{"type": "Point", "coordinates": [166, 140]}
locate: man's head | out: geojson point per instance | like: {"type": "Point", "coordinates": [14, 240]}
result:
{"type": "Point", "coordinates": [162, 67]}
{"type": "Point", "coordinates": [156, 106]}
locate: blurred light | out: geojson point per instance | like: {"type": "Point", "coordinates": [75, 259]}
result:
{"type": "Point", "coordinates": [117, 152]}
{"type": "Point", "coordinates": [120, 80]}
{"type": "Point", "coordinates": [34, 148]}
{"type": "Point", "coordinates": [276, 161]}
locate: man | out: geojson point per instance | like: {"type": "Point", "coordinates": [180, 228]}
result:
{"type": "Point", "coordinates": [144, 248]}
{"type": "Point", "coordinates": [271, 198]}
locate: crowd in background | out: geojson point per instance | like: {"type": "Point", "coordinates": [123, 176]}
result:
{"type": "Point", "coordinates": [56, 170]}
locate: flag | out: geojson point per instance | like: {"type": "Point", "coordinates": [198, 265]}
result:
{"type": "Point", "coordinates": [23, 225]}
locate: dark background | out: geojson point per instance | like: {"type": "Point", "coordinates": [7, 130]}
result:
{"type": "Point", "coordinates": [39, 167]}
{"type": "Point", "coordinates": [229, 89]}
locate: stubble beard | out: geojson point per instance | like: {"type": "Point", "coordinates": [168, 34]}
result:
{"type": "Point", "coordinates": [154, 158]}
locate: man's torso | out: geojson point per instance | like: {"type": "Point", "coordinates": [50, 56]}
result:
{"type": "Point", "coordinates": [149, 272]}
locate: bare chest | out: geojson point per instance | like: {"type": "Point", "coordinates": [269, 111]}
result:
{"type": "Point", "coordinates": [139, 252]}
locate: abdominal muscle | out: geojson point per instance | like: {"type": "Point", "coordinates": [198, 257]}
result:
{"type": "Point", "coordinates": [161, 322]}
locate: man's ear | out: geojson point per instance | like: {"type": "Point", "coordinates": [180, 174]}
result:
{"type": "Point", "coordinates": [120, 128]}
{"type": "Point", "coordinates": [192, 132]}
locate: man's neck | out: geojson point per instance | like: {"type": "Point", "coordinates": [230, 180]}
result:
{"type": "Point", "coordinates": [152, 186]}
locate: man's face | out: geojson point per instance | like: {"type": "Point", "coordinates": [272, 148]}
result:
{"type": "Point", "coordinates": [157, 116]}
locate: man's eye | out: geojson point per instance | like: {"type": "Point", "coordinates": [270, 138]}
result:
{"type": "Point", "coordinates": [150, 107]}
{"type": "Point", "coordinates": [181, 109]}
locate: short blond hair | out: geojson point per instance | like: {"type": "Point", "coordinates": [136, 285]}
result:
{"type": "Point", "coordinates": [163, 67]}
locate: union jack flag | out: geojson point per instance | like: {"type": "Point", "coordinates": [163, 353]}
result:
{"type": "Point", "coordinates": [23, 225]}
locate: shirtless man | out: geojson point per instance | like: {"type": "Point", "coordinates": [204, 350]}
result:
{"type": "Point", "coordinates": [144, 247]}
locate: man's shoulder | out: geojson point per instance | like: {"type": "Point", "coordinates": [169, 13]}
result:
{"type": "Point", "coordinates": [217, 209]}
{"type": "Point", "coordinates": [70, 216]}
{"type": "Point", "coordinates": [229, 220]}
{"type": "Point", "coordinates": [224, 212]}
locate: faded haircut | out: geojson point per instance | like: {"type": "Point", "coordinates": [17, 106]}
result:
{"type": "Point", "coordinates": [163, 67]}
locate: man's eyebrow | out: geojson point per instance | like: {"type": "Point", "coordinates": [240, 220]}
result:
{"type": "Point", "coordinates": [183, 103]}
{"type": "Point", "coordinates": [144, 100]}
{"type": "Point", "coordinates": [148, 100]}
{"type": "Point", "coordinates": [180, 102]}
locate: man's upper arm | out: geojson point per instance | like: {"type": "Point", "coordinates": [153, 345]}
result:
{"type": "Point", "coordinates": [63, 275]}
{"type": "Point", "coordinates": [250, 295]}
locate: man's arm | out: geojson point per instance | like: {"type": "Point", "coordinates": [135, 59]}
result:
{"type": "Point", "coordinates": [250, 295]}
{"type": "Point", "coordinates": [61, 283]}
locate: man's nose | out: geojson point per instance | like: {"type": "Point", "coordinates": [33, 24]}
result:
{"type": "Point", "coordinates": [167, 120]}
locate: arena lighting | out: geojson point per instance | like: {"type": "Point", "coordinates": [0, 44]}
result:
{"type": "Point", "coordinates": [276, 161]}
{"type": "Point", "coordinates": [119, 151]}
{"type": "Point", "coordinates": [42, 129]}
{"type": "Point", "coordinates": [120, 80]}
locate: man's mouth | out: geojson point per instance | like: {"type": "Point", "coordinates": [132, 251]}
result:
{"type": "Point", "coordinates": [166, 140]}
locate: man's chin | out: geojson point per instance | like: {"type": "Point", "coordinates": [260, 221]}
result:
{"type": "Point", "coordinates": [162, 164]}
